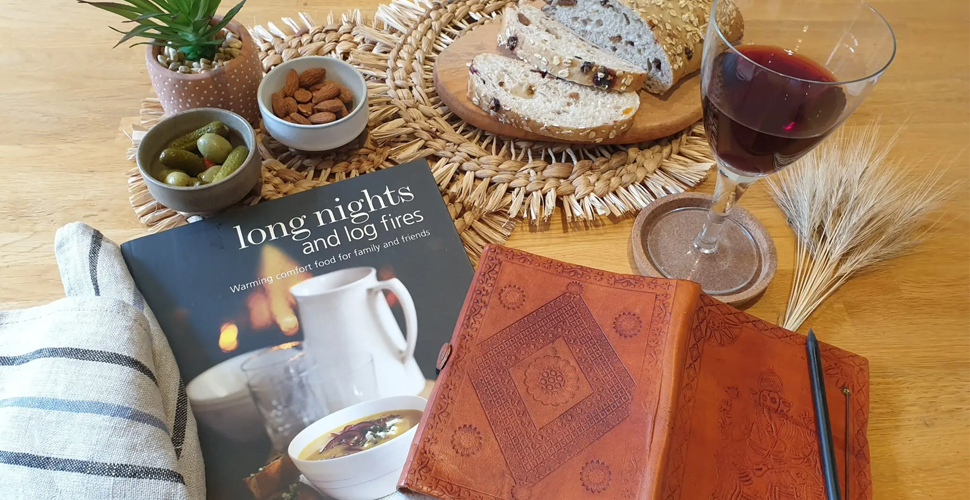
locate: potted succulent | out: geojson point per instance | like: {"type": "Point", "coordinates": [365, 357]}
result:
{"type": "Point", "coordinates": [195, 58]}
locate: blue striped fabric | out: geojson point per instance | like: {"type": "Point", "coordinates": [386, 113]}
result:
{"type": "Point", "coordinates": [89, 467]}
{"type": "Point", "coordinates": [82, 354]}
{"type": "Point", "coordinates": [92, 407]}
{"type": "Point", "coordinates": [111, 435]}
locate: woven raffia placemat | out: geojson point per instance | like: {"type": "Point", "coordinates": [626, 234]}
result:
{"type": "Point", "coordinates": [486, 181]}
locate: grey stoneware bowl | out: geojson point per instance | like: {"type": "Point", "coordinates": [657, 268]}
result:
{"type": "Point", "coordinates": [210, 198]}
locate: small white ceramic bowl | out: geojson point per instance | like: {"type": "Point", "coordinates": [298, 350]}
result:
{"type": "Point", "coordinates": [366, 475]}
{"type": "Point", "coordinates": [221, 400]}
{"type": "Point", "coordinates": [239, 421]}
{"type": "Point", "coordinates": [321, 137]}
{"type": "Point", "coordinates": [224, 381]}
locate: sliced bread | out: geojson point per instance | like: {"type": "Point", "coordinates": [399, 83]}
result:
{"type": "Point", "coordinates": [550, 47]}
{"type": "Point", "coordinates": [517, 94]}
{"type": "Point", "coordinates": [664, 37]}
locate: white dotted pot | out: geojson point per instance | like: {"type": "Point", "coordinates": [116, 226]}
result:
{"type": "Point", "coordinates": [232, 87]}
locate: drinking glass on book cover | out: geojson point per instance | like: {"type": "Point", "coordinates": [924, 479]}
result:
{"type": "Point", "coordinates": [801, 68]}
{"type": "Point", "coordinates": [277, 381]}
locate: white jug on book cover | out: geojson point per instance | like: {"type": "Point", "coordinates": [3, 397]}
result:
{"type": "Point", "coordinates": [346, 311]}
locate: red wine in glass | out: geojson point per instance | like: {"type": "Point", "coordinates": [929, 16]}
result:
{"type": "Point", "coordinates": [758, 121]}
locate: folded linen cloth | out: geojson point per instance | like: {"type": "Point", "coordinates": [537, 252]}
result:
{"type": "Point", "coordinates": [91, 401]}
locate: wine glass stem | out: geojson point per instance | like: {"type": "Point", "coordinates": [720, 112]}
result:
{"type": "Point", "coordinates": [726, 193]}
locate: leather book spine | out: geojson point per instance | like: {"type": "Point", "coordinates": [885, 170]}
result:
{"type": "Point", "coordinates": [686, 302]}
{"type": "Point", "coordinates": [444, 371]}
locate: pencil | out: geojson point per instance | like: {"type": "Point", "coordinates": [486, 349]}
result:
{"type": "Point", "coordinates": [830, 473]}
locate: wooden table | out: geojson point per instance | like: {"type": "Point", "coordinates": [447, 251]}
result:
{"type": "Point", "coordinates": [63, 91]}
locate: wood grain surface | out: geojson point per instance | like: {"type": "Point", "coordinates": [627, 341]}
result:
{"type": "Point", "coordinates": [657, 116]}
{"type": "Point", "coordinates": [64, 91]}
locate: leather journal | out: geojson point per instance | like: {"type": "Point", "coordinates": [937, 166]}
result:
{"type": "Point", "coordinates": [564, 382]}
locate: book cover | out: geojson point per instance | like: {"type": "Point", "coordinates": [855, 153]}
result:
{"type": "Point", "coordinates": [225, 287]}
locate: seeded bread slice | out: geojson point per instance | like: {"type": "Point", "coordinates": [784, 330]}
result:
{"type": "Point", "coordinates": [665, 37]}
{"type": "Point", "coordinates": [550, 47]}
{"type": "Point", "coordinates": [518, 94]}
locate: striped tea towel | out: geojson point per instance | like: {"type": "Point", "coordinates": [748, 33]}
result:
{"type": "Point", "coordinates": [91, 401]}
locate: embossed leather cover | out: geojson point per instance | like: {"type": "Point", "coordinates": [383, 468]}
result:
{"type": "Point", "coordinates": [566, 382]}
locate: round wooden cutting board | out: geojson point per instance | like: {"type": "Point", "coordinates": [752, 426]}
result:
{"type": "Point", "coordinates": [658, 116]}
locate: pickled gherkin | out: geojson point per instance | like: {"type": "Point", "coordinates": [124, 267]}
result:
{"type": "Point", "coordinates": [232, 163]}
{"type": "Point", "coordinates": [188, 141]}
{"type": "Point", "coordinates": [210, 174]}
{"type": "Point", "coordinates": [181, 159]}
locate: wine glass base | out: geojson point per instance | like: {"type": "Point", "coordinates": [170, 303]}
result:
{"type": "Point", "coordinates": [734, 267]}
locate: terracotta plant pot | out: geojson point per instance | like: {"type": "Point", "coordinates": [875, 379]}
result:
{"type": "Point", "coordinates": [232, 87]}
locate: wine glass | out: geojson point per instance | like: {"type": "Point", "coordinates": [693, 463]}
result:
{"type": "Point", "coordinates": [799, 70]}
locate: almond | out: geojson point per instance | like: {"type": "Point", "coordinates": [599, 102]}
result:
{"type": "Point", "coordinates": [302, 95]}
{"type": "Point", "coordinates": [298, 118]}
{"type": "Point", "coordinates": [312, 76]}
{"type": "Point", "coordinates": [305, 109]}
{"type": "Point", "coordinates": [322, 117]}
{"type": "Point", "coordinates": [279, 105]}
{"type": "Point", "coordinates": [330, 106]}
{"type": "Point", "coordinates": [292, 83]}
{"type": "Point", "coordinates": [290, 105]}
{"type": "Point", "coordinates": [318, 86]}
{"type": "Point", "coordinates": [345, 94]}
{"type": "Point", "coordinates": [328, 91]}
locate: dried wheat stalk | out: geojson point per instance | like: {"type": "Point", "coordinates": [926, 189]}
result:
{"type": "Point", "coordinates": [850, 207]}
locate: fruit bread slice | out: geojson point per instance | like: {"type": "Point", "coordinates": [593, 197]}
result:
{"type": "Point", "coordinates": [533, 100]}
{"type": "Point", "coordinates": [550, 47]}
{"type": "Point", "coordinates": [665, 37]}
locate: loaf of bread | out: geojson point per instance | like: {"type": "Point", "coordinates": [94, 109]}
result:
{"type": "Point", "coordinates": [550, 47]}
{"type": "Point", "coordinates": [517, 94]}
{"type": "Point", "coordinates": [664, 37]}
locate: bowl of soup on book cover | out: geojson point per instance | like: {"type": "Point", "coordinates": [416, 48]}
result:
{"type": "Point", "coordinates": [358, 453]}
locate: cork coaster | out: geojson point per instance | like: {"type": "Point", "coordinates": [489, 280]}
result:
{"type": "Point", "coordinates": [740, 228]}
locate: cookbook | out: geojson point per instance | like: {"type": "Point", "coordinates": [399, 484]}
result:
{"type": "Point", "coordinates": [564, 382]}
{"type": "Point", "coordinates": [228, 286]}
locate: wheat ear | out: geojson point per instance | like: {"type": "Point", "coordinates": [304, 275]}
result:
{"type": "Point", "coordinates": [851, 207]}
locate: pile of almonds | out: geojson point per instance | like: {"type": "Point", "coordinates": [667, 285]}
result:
{"type": "Point", "coordinates": [309, 100]}
{"type": "Point", "coordinates": [175, 60]}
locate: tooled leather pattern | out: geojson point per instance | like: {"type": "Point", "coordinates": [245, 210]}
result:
{"type": "Point", "coordinates": [530, 452]}
{"type": "Point", "coordinates": [420, 475]}
{"type": "Point", "coordinates": [771, 447]}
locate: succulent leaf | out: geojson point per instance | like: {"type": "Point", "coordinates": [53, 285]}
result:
{"type": "Point", "coordinates": [185, 25]}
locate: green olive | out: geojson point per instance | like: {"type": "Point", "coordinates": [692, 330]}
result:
{"type": "Point", "coordinates": [178, 178]}
{"type": "Point", "coordinates": [209, 174]}
{"type": "Point", "coordinates": [195, 181]}
{"type": "Point", "coordinates": [214, 147]}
